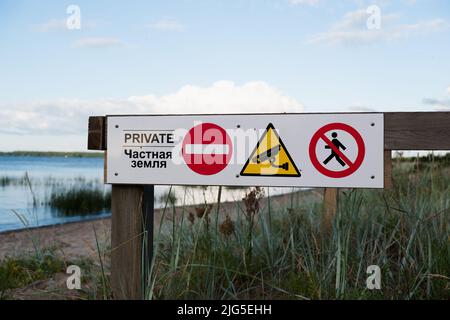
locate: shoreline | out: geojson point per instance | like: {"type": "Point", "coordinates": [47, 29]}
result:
{"type": "Point", "coordinates": [76, 239]}
{"type": "Point", "coordinates": [90, 219]}
{"type": "Point", "coordinates": [158, 211]}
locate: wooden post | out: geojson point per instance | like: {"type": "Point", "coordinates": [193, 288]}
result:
{"type": "Point", "coordinates": [330, 205]}
{"type": "Point", "coordinates": [97, 133]}
{"type": "Point", "coordinates": [126, 242]}
{"type": "Point", "coordinates": [388, 182]}
{"type": "Point", "coordinates": [148, 214]}
{"type": "Point", "coordinates": [132, 216]}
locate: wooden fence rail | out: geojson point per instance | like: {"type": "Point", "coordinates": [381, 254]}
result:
{"type": "Point", "coordinates": [402, 131]}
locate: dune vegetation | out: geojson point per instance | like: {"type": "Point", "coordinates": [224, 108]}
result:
{"type": "Point", "coordinates": [290, 253]}
{"type": "Point", "coordinates": [258, 250]}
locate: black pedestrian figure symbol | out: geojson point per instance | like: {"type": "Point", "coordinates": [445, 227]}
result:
{"type": "Point", "coordinates": [333, 154]}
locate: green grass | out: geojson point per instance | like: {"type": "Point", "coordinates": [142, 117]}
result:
{"type": "Point", "coordinates": [80, 201]}
{"type": "Point", "coordinates": [43, 263]}
{"type": "Point", "coordinates": [259, 250]}
{"type": "Point", "coordinates": [8, 181]}
{"type": "Point", "coordinates": [20, 271]}
{"type": "Point", "coordinates": [291, 255]}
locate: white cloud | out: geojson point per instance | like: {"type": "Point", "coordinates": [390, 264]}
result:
{"type": "Point", "coordinates": [70, 116]}
{"type": "Point", "coordinates": [167, 24]}
{"type": "Point", "coordinates": [304, 2]}
{"type": "Point", "coordinates": [97, 43]}
{"type": "Point", "coordinates": [59, 25]}
{"type": "Point", "coordinates": [437, 104]}
{"type": "Point", "coordinates": [50, 25]}
{"type": "Point", "coordinates": [352, 29]}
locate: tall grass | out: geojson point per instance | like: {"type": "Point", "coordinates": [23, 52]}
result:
{"type": "Point", "coordinates": [6, 181]}
{"type": "Point", "coordinates": [263, 251]}
{"type": "Point", "coordinates": [80, 201]}
{"type": "Point", "coordinates": [71, 196]}
{"type": "Point", "coordinates": [28, 267]}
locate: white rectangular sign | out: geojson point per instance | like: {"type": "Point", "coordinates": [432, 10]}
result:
{"type": "Point", "coordinates": [303, 150]}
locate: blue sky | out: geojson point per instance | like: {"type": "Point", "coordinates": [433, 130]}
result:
{"type": "Point", "coordinates": [182, 56]}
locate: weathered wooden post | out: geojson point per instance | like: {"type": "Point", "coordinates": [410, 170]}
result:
{"type": "Point", "coordinates": [388, 182]}
{"type": "Point", "coordinates": [331, 195]}
{"type": "Point", "coordinates": [132, 218]}
{"type": "Point", "coordinates": [148, 209]}
{"type": "Point", "coordinates": [126, 242]}
{"type": "Point", "coordinates": [330, 207]}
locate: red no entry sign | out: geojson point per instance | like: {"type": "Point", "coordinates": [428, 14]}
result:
{"type": "Point", "coordinates": [207, 149]}
{"type": "Point", "coordinates": [339, 155]}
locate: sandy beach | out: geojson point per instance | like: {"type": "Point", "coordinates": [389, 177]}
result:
{"type": "Point", "coordinates": [77, 239]}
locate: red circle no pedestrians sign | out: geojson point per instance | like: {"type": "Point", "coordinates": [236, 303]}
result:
{"type": "Point", "coordinates": [207, 149]}
{"type": "Point", "coordinates": [335, 147]}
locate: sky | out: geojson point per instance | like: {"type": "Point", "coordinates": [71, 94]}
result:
{"type": "Point", "coordinates": [63, 61]}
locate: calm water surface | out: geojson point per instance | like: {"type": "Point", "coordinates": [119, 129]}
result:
{"type": "Point", "coordinates": [48, 174]}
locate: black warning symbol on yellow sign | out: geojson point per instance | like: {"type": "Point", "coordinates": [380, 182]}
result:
{"type": "Point", "coordinates": [270, 158]}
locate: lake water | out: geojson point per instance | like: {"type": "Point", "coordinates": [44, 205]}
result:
{"type": "Point", "coordinates": [47, 174]}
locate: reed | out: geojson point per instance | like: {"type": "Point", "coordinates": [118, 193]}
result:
{"type": "Point", "coordinates": [251, 254]}
{"type": "Point", "coordinates": [80, 201]}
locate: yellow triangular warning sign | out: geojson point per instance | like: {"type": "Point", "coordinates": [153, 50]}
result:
{"type": "Point", "coordinates": [270, 158]}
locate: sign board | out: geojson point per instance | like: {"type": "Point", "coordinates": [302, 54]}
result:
{"type": "Point", "coordinates": [302, 150]}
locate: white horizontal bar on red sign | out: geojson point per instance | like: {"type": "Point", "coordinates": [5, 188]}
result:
{"type": "Point", "coordinates": [207, 149]}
